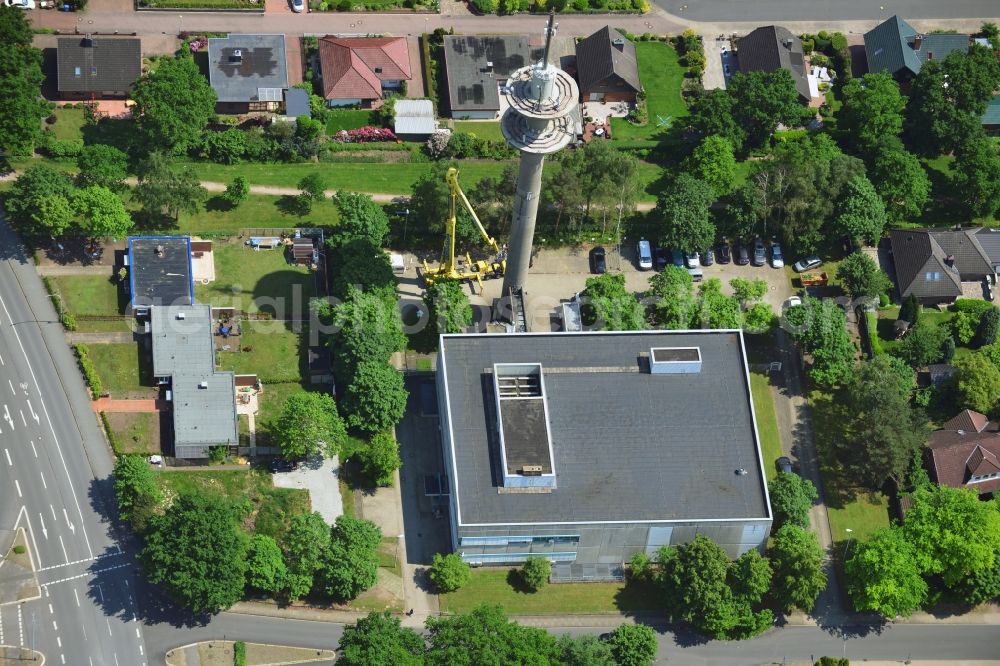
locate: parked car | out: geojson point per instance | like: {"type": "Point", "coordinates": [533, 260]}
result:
{"type": "Point", "coordinates": [692, 260]}
{"type": "Point", "coordinates": [677, 257]}
{"type": "Point", "coordinates": [20, 4]}
{"type": "Point", "coordinates": [298, 6]}
{"type": "Point", "coordinates": [792, 302]}
{"type": "Point", "coordinates": [597, 261]}
{"type": "Point", "coordinates": [696, 274]}
{"type": "Point", "coordinates": [722, 253]}
{"type": "Point", "coordinates": [807, 263]}
{"type": "Point", "coordinates": [759, 253]}
{"type": "Point", "coordinates": [282, 465]}
{"type": "Point", "coordinates": [645, 255]}
{"type": "Point", "coordinates": [742, 254]}
{"type": "Point", "coordinates": [777, 259]}
{"type": "Point", "coordinates": [785, 465]}
{"type": "Point", "coordinates": [708, 257]}
{"type": "Point", "coordinates": [662, 256]}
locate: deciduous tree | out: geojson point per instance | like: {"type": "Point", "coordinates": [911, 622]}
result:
{"type": "Point", "coordinates": [102, 165]}
{"type": "Point", "coordinates": [21, 105]}
{"type": "Point", "coordinates": [607, 306]}
{"type": "Point", "coordinates": [873, 110]}
{"type": "Point", "coordinates": [350, 565]}
{"type": "Point", "coordinates": [101, 212]}
{"type": "Point", "coordinates": [792, 498]}
{"type": "Point", "coordinates": [378, 640]}
{"type": "Point", "coordinates": [585, 650]}
{"type": "Point", "coordinates": [901, 181]}
{"type": "Point", "coordinates": [535, 572]}
{"type": "Point", "coordinates": [173, 105]}
{"type": "Point", "coordinates": [749, 576]}
{"type": "Point", "coordinates": [360, 217]}
{"type": "Point", "coordinates": [821, 327]}
{"type": "Point", "coordinates": [380, 459]}
{"type": "Point", "coordinates": [685, 213]}
{"type": "Point", "coordinates": [197, 552]}
{"type": "Point", "coordinates": [976, 175]}
{"type": "Point", "coordinates": [712, 114]}
{"type": "Point", "coordinates": [978, 383]}
{"type": "Point", "coordinates": [237, 191]}
{"type": "Point", "coordinates": [376, 398]}
{"type": "Point", "coordinates": [163, 189]}
{"type": "Point", "coordinates": [308, 424]}
{"type": "Point", "coordinates": [861, 277]}
{"type": "Point", "coordinates": [266, 569]}
{"type": "Point", "coordinates": [633, 645]}
{"type": "Point", "coordinates": [671, 300]}
{"type": "Point", "coordinates": [713, 162]}
{"type": "Point", "coordinates": [38, 202]}
{"type": "Point", "coordinates": [485, 636]}
{"type": "Point", "coordinates": [449, 307]}
{"type": "Point", "coordinates": [883, 575]}
{"type": "Point", "coordinates": [797, 560]}
{"type": "Point", "coordinates": [368, 328]}
{"type": "Point", "coordinates": [306, 543]}
{"type": "Point", "coordinates": [762, 101]}
{"type": "Point", "coordinates": [449, 572]}
{"type": "Point", "coordinates": [860, 212]}
{"type": "Point", "coordinates": [922, 345]}
{"type": "Point", "coordinates": [135, 487]}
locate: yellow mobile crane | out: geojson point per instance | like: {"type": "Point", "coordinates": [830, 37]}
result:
{"type": "Point", "coordinates": [474, 271]}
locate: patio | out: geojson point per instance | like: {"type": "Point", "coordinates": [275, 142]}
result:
{"type": "Point", "coordinates": [600, 112]}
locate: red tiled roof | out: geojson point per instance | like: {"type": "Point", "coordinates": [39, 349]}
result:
{"type": "Point", "coordinates": [349, 65]}
{"type": "Point", "coordinates": [967, 445]}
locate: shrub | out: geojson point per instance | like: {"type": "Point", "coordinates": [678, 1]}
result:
{"type": "Point", "coordinates": [239, 653]}
{"type": "Point", "coordinates": [449, 572]}
{"type": "Point", "coordinates": [535, 572]}
{"type": "Point", "coordinates": [63, 149]}
{"type": "Point", "coordinates": [19, 549]}
{"type": "Point", "coordinates": [89, 371]}
{"type": "Point", "coordinates": [639, 566]}
{"type": "Point", "coordinates": [113, 440]}
{"type": "Point", "coordinates": [218, 454]}
{"type": "Point", "coordinates": [986, 333]}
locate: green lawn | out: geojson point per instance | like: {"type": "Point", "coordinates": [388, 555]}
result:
{"type": "Point", "coordinates": [661, 76]}
{"type": "Point", "coordinates": [273, 507]}
{"type": "Point", "coordinates": [345, 119]}
{"type": "Point", "coordinates": [767, 424]}
{"type": "Point", "coordinates": [89, 294]}
{"type": "Point", "coordinates": [136, 432]}
{"type": "Point", "coordinates": [261, 281]}
{"type": "Point", "coordinates": [484, 129]}
{"type": "Point", "coordinates": [68, 125]}
{"type": "Point", "coordinates": [257, 211]}
{"type": "Point", "coordinates": [275, 352]}
{"type": "Point", "coordinates": [494, 586]}
{"type": "Point", "coordinates": [126, 370]}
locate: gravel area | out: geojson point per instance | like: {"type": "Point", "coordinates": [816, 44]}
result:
{"type": "Point", "coordinates": [319, 477]}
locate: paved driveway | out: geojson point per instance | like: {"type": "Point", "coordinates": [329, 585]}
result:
{"type": "Point", "coordinates": [319, 477]}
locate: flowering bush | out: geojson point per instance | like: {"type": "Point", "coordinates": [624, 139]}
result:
{"type": "Point", "coordinates": [365, 135]}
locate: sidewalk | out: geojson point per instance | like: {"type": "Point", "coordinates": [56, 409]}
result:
{"type": "Point", "coordinates": [109, 337]}
{"type": "Point", "coordinates": [111, 405]}
{"type": "Point", "coordinates": [56, 271]}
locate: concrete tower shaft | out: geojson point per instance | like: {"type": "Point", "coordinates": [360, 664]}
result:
{"type": "Point", "coordinates": [538, 122]}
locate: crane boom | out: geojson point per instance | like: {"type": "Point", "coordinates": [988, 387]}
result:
{"type": "Point", "coordinates": [456, 189]}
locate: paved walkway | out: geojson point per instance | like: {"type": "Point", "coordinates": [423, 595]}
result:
{"type": "Point", "coordinates": [112, 405]}
{"type": "Point", "coordinates": [108, 337]}
{"type": "Point", "coordinates": [73, 269]}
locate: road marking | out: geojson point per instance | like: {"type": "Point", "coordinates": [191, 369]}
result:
{"type": "Point", "coordinates": [45, 532]}
{"type": "Point", "coordinates": [116, 654]}
{"type": "Point", "coordinates": [109, 633]}
{"type": "Point", "coordinates": [48, 418]}
{"type": "Point", "coordinates": [59, 644]}
{"type": "Point", "coordinates": [20, 626]}
{"type": "Point", "coordinates": [62, 656]}
{"type": "Point", "coordinates": [53, 510]}
{"type": "Point", "coordinates": [86, 559]}
{"type": "Point", "coordinates": [100, 591]}
{"type": "Point", "coordinates": [77, 597]}
{"type": "Point", "coordinates": [23, 420]}
{"type": "Point", "coordinates": [65, 554]}
{"type": "Point", "coordinates": [33, 448]}
{"type": "Point", "coordinates": [1, 361]}
{"type": "Point", "coordinates": [7, 453]}
{"type": "Point", "coordinates": [1, 630]}
{"type": "Point", "coordinates": [44, 485]}
{"type": "Point", "coordinates": [7, 417]}
{"type": "Point", "coordinates": [18, 486]}
{"type": "Point", "coordinates": [141, 652]}
{"type": "Point", "coordinates": [137, 635]}
{"type": "Point", "coordinates": [55, 627]}
{"type": "Point", "coordinates": [50, 609]}
{"type": "Point", "coordinates": [32, 409]}
{"type": "Point", "coordinates": [11, 387]}
{"type": "Point", "coordinates": [68, 521]}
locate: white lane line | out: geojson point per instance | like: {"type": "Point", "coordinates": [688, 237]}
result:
{"type": "Point", "coordinates": [51, 611]}
{"type": "Point", "coordinates": [65, 554]}
{"type": "Point", "coordinates": [77, 597]}
{"type": "Point", "coordinates": [18, 486]}
{"type": "Point", "coordinates": [32, 409]}
{"type": "Point", "coordinates": [23, 420]}
{"type": "Point", "coordinates": [86, 559]}
{"type": "Point", "coordinates": [31, 531]}
{"type": "Point", "coordinates": [62, 657]}
{"type": "Point", "coordinates": [142, 652]}
{"type": "Point", "coordinates": [9, 461]}
{"type": "Point", "coordinates": [45, 532]}
{"type": "Point", "coordinates": [1, 630]}
{"type": "Point", "coordinates": [1, 361]}
{"type": "Point", "coordinates": [48, 418]}
{"type": "Point", "coordinates": [72, 528]}
{"type": "Point", "coordinates": [116, 659]}
{"type": "Point", "coordinates": [55, 627]}
{"type": "Point", "coordinates": [53, 509]}
{"type": "Point", "coordinates": [59, 644]}
{"type": "Point", "coordinates": [84, 575]}
{"type": "Point", "coordinates": [137, 634]}
{"type": "Point", "coordinates": [33, 448]}
{"type": "Point", "coordinates": [11, 386]}
{"type": "Point", "coordinates": [109, 634]}
{"type": "Point", "coordinates": [44, 485]}
{"type": "Point", "coordinates": [20, 626]}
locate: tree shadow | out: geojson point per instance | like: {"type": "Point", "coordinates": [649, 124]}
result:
{"type": "Point", "coordinates": [218, 204]}
{"type": "Point", "coordinates": [293, 204]}
{"type": "Point", "coordinates": [516, 582]}
{"type": "Point", "coordinates": [149, 221]}
{"type": "Point", "coordinates": [117, 132]}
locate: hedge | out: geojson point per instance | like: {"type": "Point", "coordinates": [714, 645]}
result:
{"type": "Point", "coordinates": [66, 318]}
{"type": "Point", "coordinates": [89, 371]}
{"type": "Point", "coordinates": [113, 440]}
{"type": "Point", "coordinates": [239, 653]}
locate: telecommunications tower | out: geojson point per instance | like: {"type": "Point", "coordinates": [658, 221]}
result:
{"type": "Point", "coordinates": [538, 122]}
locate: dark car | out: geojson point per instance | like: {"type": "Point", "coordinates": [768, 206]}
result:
{"type": "Point", "coordinates": [784, 465]}
{"type": "Point", "coordinates": [677, 257]}
{"type": "Point", "coordinates": [597, 261]}
{"type": "Point", "coordinates": [759, 253]}
{"type": "Point", "coordinates": [708, 257]}
{"type": "Point", "coordinates": [661, 256]}
{"type": "Point", "coordinates": [742, 254]}
{"type": "Point", "coordinates": [282, 465]}
{"type": "Point", "coordinates": [722, 253]}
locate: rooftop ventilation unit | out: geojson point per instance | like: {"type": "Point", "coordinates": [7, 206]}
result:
{"type": "Point", "coordinates": [237, 56]}
{"type": "Point", "coordinates": [674, 360]}
{"type": "Point", "coordinates": [181, 315]}
{"type": "Point", "coordinates": [159, 250]}
{"type": "Point", "coordinates": [378, 70]}
{"type": "Point", "coordinates": [203, 385]}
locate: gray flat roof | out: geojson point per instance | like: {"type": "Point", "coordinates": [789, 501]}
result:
{"type": "Point", "coordinates": [204, 410]}
{"type": "Point", "coordinates": [475, 64]}
{"type": "Point", "coordinates": [182, 345]}
{"type": "Point", "coordinates": [255, 74]}
{"type": "Point", "coordinates": [627, 445]}
{"type": "Point", "coordinates": [160, 270]}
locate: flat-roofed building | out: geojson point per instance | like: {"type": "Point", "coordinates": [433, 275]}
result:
{"type": "Point", "coordinates": [586, 448]}
{"type": "Point", "coordinates": [160, 272]}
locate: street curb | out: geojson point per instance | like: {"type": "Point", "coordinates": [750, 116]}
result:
{"type": "Point", "coordinates": [40, 654]}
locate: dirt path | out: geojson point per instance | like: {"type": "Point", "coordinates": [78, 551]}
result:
{"type": "Point", "coordinates": [109, 337]}
{"type": "Point", "coordinates": [112, 405]}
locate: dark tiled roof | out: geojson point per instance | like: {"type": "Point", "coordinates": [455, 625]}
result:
{"type": "Point", "coordinates": [98, 64]}
{"type": "Point", "coordinates": [966, 445]}
{"type": "Point", "coordinates": [606, 62]}
{"type": "Point", "coordinates": [920, 266]}
{"type": "Point", "coordinates": [771, 48]}
{"type": "Point", "coordinates": [937, 46]}
{"type": "Point", "coordinates": [472, 84]}
{"type": "Point", "coordinates": [259, 73]}
{"type": "Point", "coordinates": [988, 237]}
{"type": "Point", "coordinates": [888, 47]}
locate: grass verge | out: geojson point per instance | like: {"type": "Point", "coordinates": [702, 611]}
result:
{"type": "Point", "coordinates": [767, 423]}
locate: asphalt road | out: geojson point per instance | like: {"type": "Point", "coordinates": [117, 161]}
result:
{"type": "Point", "coordinates": [732, 11]}
{"type": "Point", "coordinates": [54, 481]}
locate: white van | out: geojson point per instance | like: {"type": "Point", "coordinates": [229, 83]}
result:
{"type": "Point", "coordinates": [645, 255]}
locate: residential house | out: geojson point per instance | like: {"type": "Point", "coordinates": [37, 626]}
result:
{"type": "Point", "coordinates": [991, 119]}
{"type": "Point", "coordinates": [97, 67]}
{"type": "Point", "coordinates": [940, 265]}
{"type": "Point", "coordinates": [894, 46]}
{"type": "Point", "coordinates": [586, 448]}
{"type": "Point", "coordinates": [770, 48]}
{"type": "Point", "coordinates": [965, 453]}
{"type": "Point", "coordinates": [362, 70]}
{"type": "Point", "coordinates": [606, 68]}
{"type": "Point", "coordinates": [477, 66]}
{"type": "Point", "coordinates": [159, 271]}
{"type": "Point", "coordinates": [248, 72]}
